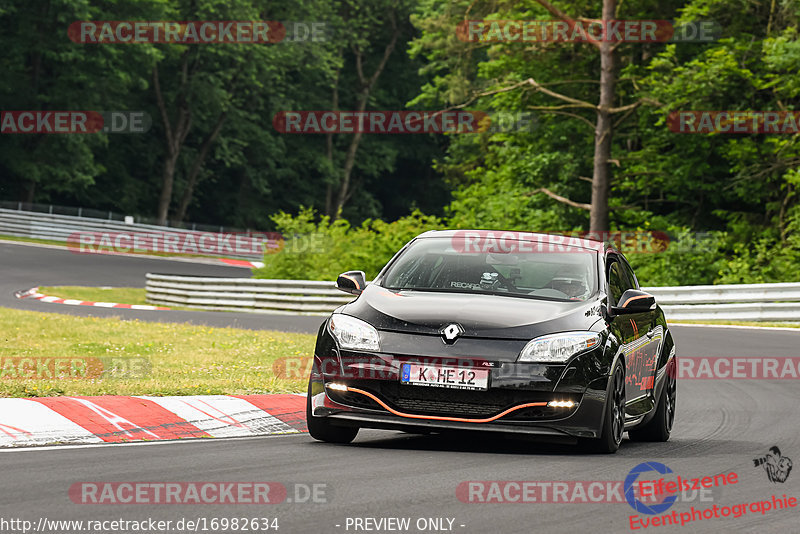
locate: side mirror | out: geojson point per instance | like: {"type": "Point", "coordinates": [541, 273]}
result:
{"type": "Point", "coordinates": [352, 282]}
{"type": "Point", "coordinates": [634, 301]}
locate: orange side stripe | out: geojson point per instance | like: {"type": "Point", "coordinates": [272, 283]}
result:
{"type": "Point", "coordinates": [442, 418]}
{"type": "Point", "coordinates": [352, 280]}
{"type": "Point", "coordinates": [634, 298]}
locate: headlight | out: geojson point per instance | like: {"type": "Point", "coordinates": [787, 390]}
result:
{"type": "Point", "coordinates": [558, 348]}
{"type": "Point", "coordinates": [352, 333]}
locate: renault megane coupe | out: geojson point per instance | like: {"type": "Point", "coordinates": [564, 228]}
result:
{"type": "Point", "coordinates": [508, 332]}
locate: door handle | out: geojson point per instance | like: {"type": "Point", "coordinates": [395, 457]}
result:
{"type": "Point", "coordinates": [651, 333]}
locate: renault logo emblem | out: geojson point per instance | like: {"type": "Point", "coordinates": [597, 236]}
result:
{"type": "Point", "coordinates": [451, 332]}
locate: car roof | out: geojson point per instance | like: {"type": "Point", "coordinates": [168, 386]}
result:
{"type": "Point", "coordinates": [575, 239]}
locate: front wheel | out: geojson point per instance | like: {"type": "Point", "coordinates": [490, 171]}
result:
{"type": "Point", "coordinates": [659, 427]}
{"type": "Point", "coordinates": [321, 430]}
{"type": "Point", "coordinates": [614, 420]}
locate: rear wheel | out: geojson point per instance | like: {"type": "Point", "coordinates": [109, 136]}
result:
{"type": "Point", "coordinates": [659, 427]}
{"type": "Point", "coordinates": [322, 430]}
{"type": "Point", "coordinates": [614, 421]}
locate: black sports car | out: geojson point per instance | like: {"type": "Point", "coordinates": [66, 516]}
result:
{"type": "Point", "coordinates": [496, 331]}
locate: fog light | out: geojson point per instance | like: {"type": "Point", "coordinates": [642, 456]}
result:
{"type": "Point", "coordinates": [561, 404]}
{"type": "Point", "coordinates": [337, 387]}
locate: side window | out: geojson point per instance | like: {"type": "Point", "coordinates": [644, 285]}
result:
{"type": "Point", "coordinates": [614, 284]}
{"type": "Point", "coordinates": [628, 272]}
{"type": "Point", "coordinates": [618, 281]}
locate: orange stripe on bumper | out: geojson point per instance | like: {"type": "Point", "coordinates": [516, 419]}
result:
{"type": "Point", "coordinates": [442, 418]}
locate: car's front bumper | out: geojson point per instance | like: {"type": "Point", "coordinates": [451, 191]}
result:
{"type": "Point", "coordinates": [367, 393]}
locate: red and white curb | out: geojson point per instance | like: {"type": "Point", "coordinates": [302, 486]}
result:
{"type": "Point", "coordinates": [33, 293]}
{"type": "Point", "coordinates": [243, 263]}
{"type": "Point", "coordinates": [115, 419]}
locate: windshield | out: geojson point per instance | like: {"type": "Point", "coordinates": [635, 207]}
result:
{"type": "Point", "coordinates": [433, 264]}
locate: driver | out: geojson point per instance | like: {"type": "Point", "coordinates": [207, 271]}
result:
{"type": "Point", "coordinates": [570, 283]}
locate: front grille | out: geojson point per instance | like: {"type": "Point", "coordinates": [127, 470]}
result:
{"type": "Point", "coordinates": [449, 402]}
{"type": "Point", "coordinates": [537, 412]}
{"type": "Point", "coordinates": [436, 407]}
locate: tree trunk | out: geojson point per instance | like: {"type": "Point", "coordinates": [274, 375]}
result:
{"type": "Point", "coordinates": [167, 179]}
{"type": "Point", "coordinates": [329, 148]}
{"type": "Point", "coordinates": [174, 137]}
{"type": "Point", "coordinates": [367, 84]}
{"type": "Point", "coordinates": [30, 191]}
{"type": "Point", "coordinates": [601, 176]}
{"type": "Point", "coordinates": [349, 163]}
{"type": "Point", "coordinates": [186, 199]}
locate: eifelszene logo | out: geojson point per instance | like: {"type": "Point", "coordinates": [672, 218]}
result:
{"type": "Point", "coordinates": [630, 486]}
{"type": "Point", "coordinates": [655, 497]}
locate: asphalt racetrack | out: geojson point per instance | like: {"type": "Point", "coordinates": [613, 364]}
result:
{"type": "Point", "coordinates": [24, 266]}
{"type": "Point", "coordinates": [721, 427]}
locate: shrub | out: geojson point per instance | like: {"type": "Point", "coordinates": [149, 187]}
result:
{"type": "Point", "coordinates": [689, 259]}
{"type": "Point", "coordinates": [317, 249]}
{"type": "Point", "coordinates": [324, 249]}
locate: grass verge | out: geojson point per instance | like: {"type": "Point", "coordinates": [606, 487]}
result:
{"type": "Point", "coordinates": [141, 358]}
{"type": "Point", "coordinates": [122, 295]}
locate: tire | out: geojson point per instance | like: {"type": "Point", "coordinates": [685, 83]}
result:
{"type": "Point", "coordinates": [659, 427]}
{"type": "Point", "coordinates": [321, 430]}
{"type": "Point", "coordinates": [614, 420]}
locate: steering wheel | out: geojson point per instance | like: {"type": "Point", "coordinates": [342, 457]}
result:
{"type": "Point", "coordinates": [505, 281]}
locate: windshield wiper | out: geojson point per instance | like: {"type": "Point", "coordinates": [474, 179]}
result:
{"type": "Point", "coordinates": [481, 292]}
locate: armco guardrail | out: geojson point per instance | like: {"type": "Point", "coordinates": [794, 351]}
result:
{"type": "Point", "coordinates": [723, 294]}
{"type": "Point", "coordinates": [734, 302]}
{"type": "Point", "coordinates": [750, 302]}
{"type": "Point", "coordinates": [60, 227]}
{"type": "Point", "coordinates": [245, 294]}
{"type": "Point", "coordinates": [89, 213]}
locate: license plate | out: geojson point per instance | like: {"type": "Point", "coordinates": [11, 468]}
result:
{"type": "Point", "coordinates": [444, 377]}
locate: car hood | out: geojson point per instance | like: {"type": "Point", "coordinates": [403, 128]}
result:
{"type": "Point", "coordinates": [481, 316]}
